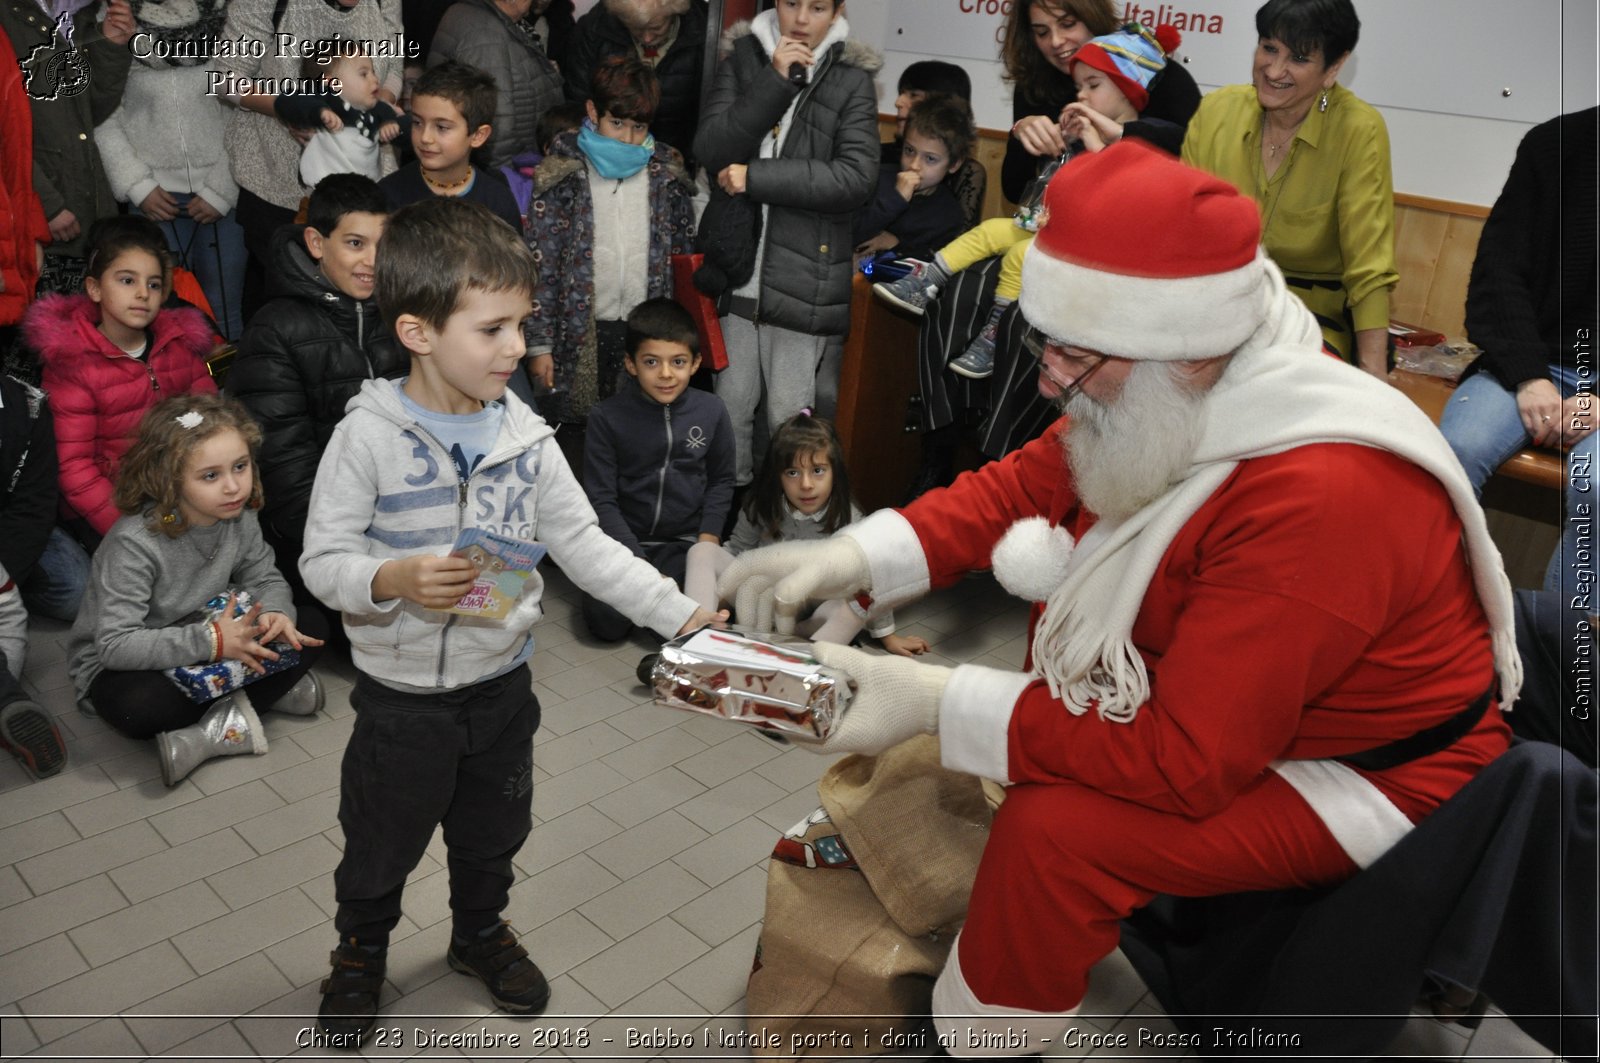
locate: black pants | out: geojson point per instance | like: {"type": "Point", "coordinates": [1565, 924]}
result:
{"type": "Point", "coordinates": [463, 758]}
{"type": "Point", "coordinates": [608, 625]}
{"type": "Point", "coordinates": [1558, 653]}
{"type": "Point", "coordinates": [144, 704]}
{"type": "Point", "coordinates": [259, 219]}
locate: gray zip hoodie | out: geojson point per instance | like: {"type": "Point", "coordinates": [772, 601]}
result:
{"type": "Point", "coordinates": [388, 489]}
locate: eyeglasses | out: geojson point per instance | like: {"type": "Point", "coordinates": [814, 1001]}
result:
{"type": "Point", "coordinates": [1036, 343]}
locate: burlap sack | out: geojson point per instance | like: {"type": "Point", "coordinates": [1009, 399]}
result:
{"type": "Point", "coordinates": [855, 934]}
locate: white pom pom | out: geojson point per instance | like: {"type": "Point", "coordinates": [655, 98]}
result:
{"type": "Point", "coordinates": [1030, 560]}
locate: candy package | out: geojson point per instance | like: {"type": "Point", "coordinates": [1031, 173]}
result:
{"type": "Point", "coordinates": [764, 680]}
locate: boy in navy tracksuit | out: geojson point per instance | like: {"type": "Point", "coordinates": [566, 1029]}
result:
{"type": "Point", "coordinates": [658, 462]}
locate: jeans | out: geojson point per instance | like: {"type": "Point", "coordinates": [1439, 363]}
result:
{"type": "Point", "coordinates": [216, 255]}
{"type": "Point", "coordinates": [1482, 426]}
{"type": "Point", "coordinates": [55, 586]}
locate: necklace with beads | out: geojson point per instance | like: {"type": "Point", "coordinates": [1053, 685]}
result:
{"type": "Point", "coordinates": [450, 189]}
{"type": "Point", "coordinates": [192, 537]}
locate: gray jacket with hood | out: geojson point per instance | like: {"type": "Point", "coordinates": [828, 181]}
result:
{"type": "Point", "coordinates": [387, 489]}
{"type": "Point", "coordinates": [811, 178]}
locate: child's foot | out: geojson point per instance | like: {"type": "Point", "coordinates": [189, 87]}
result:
{"type": "Point", "coordinates": [350, 994]}
{"type": "Point", "coordinates": [496, 959]}
{"type": "Point", "coordinates": [29, 733]}
{"type": "Point", "coordinates": [646, 670]}
{"type": "Point", "coordinates": [302, 699]}
{"type": "Point", "coordinates": [911, 292]}
{"type": "Point", "coordinates": [977, 361]}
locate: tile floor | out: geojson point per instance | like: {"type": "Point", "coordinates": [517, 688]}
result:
{"type": "Point", "coordinates": [140, 922]}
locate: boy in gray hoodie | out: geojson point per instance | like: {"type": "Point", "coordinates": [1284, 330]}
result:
{"type": "Point", "coordinates": [445, 714]}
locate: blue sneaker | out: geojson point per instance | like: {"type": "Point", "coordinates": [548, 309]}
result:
{"type": "Point", "coordinates": [912, 292]}
{"type": "Point", "coordinates": [977, 361]}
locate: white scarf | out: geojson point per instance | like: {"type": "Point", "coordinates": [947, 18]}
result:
{"type": "Point", "coordinates": [1277, 394]}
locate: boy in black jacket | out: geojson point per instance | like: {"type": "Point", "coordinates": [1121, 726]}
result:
{"type": "Point", "coordinates": [658, 461]}
{"type": "Point", "coordinates": [308, 349]}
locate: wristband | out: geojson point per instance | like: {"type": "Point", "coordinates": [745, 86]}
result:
{"type": "Point", "coordinates": [216, 641]}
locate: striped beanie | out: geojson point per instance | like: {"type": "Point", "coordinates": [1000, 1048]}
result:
{"type": "Point", "coordinates": [1131, 57]}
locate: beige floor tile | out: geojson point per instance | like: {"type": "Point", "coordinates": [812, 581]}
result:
{"type": "Point", "coordinates": [564, 942]}
{"type": "Point", "coordinates": [210, 814]}
{"type": "Point", "coordinates": [727, 803]}
{"type": "Point", "coordinates": [214, 776]}
{"type": "Point", "coordinates": [659, 838]}
{"type": "Point", "coordinates": [602, 705]}
{"type": "Point", "coordinates": [290, 823]}
{"type": "Point", "coordinates": [105, 990]}
{"type": "Point", "coordinates": [561, 794]}
{"type": "Point", "coordinates": [796, 768]}
{"type": "Point", "coordinates": [15, 1033]}
{"type": "Point", "coordinates": [34, 967]}
{"type": "Point", "coordinates": [315, 776]}
{"type": "Point", "coordinates": [277, 871]}
{"type": "Point", "coordinates": [181, 864]}
{"type": "Point", "coordinates": [638, 759]}
{"type": "Point", "coordinates": [146, 923]}
{"type": "Point", "coordinates": [69, 789]}
{"type": "Point", "coordinates": [196, 1007]}
{"type": "Point", "coordinates": [722, 762]}
{"type": "Point", "coordinates": [718, 979]}
{"type": "Point", "coordinates": [91, 856]}
{"type": "Point", "coordinates": [1498, 1039]}
{"type": "Point", "coordinates": [108, 1037]}
{"type": "Point", "coordinates": [220, 941]}
{"type": "Point", "coordinates": [642, 899]}
{"type": "Point", "coordinates": [723, 911]}
{"type": "Point", "coordinates": [220, 1043]}
{"type": "Point", "coordinates": [627, 968]}
{"type": "Point", "coordinates": [557, 755]}
{"type": "Point", "coordinates": [728, 852]}
{"type": "Point", "coordinates": [637, 802]}
{"type": "Point", "coordinates": [557, 890]}
{"type": "Point", "coordinates": [644, 720]}
{"type": "Point", "coordinates": [325, 738]}
{"type": "Point", "coordinates": [561, 837]}
{"type": "Point", "coordinates": [51, 913]}
{"type": "Point", "coordinates": [42, 834]}
{"type": "Point", "coordinates": [12, 889]}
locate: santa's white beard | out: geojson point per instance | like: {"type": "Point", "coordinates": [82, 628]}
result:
{"type": "Point", "coordinates": [1126, 453]}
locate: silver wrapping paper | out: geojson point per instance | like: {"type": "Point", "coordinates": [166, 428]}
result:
{"type": "Point", "coordinates": [754, 677]}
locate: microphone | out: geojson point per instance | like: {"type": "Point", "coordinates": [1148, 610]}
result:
{"type": "Point", "coordinates": [797, 75]}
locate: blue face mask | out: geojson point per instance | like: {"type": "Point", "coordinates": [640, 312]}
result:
{"type": "Point", "coordinates": [612, 159]}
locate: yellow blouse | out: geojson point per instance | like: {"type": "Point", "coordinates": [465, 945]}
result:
{"type": "Point", "coordinates": [1327, 214]}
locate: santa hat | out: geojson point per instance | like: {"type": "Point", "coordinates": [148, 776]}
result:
{"type": "Point", "coordinates": [1142, 257]}
{"type": "Point", "coordinates": [1130, 57]}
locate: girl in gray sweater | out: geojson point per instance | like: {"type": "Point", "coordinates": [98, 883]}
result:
{"type": "Point", "coordinates": [188, 493]}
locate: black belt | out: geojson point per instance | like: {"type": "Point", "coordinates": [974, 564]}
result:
{"type": "Point", "coordinates": [1311, 282]}
{"type": "Point", "coordinates": [1423, 743]}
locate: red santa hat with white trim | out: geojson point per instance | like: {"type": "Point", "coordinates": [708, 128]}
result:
{"type": "Point", "coordinates": [1180, 277]}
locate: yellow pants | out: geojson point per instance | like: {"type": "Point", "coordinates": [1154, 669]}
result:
{"type": "Point", "coordinates": [997, 236]}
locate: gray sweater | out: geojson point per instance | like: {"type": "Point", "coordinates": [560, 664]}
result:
{"type": "Point", "coordinates": [143, 583]}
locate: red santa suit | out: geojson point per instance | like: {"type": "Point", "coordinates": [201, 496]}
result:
{"type": "Point", "coordinates": [1273, 630]}
{"type": "Point", "coordinates": [1319, 582]}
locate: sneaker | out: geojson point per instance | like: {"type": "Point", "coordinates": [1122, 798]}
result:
{"type": "Point", "coordinates": [912, 292]}
{"type": "Point", "coordinates": [350, 995]}
{"type": "Point", "coordinates": [302, 699]}
{"type": "Point", "coordinates": [515, 982]}
{"type": "Point", "coordinates": [31, 736]}
{"type": "Point", "coordinates": [977, 361]}
{"type": "Point", "coordinates": [646, 672]}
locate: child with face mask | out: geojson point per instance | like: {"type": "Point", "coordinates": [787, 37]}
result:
{"type": "Point", "coordinates": [610, 207]}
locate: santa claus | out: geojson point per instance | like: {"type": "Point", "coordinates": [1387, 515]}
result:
{"type": "Point", "coordinates": [1272, 633]}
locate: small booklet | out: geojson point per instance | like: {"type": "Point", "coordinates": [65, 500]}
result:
{"type": "Point", "coordinates": [504, 565]}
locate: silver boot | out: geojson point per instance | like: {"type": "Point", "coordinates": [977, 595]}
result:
{"type": "Point", "coordinates": [229, 727]}
{"type": "Point", "coordinates": [303, 699]}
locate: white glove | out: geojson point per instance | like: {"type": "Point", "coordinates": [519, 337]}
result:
{"type": "Point", "coordinates": [896, 698]}
{"type": "Point", "coordinates": [772, 585]}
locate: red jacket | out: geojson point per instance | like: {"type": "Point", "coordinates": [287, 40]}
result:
{"type": "Point", "coordinates": [99, 394]}
{"type": "Point", "coordinates": [1317, 605]}
{"type": "Point", "coordinates": [22, 221]}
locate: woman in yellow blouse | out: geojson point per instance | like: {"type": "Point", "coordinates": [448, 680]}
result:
{"type": "Point", "coordinates": [1316, 159]}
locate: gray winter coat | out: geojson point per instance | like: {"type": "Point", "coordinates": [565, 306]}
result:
{"type": "Point", "coordinates": [475, 32]}
{"type": "Point", "coordinates": [824, 173]}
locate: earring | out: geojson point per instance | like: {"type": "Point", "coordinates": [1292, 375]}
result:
{"type": "Point", "coordinates": [169, 518]}
{"type": "Point", "coordinates": [1322, 104]}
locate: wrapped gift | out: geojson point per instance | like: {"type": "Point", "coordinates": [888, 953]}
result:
{"type": "Point", "coordinates": [206, 682]}
{"type": "Point", "coordinates": [756, 678]}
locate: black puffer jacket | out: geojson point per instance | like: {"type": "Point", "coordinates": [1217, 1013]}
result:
{"type": "Point", "coordinates": [599, 35]}
{"type": "Point", "coordinates": [825, 170]}
{"type": "Point", "coordinates": [303, 356]}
